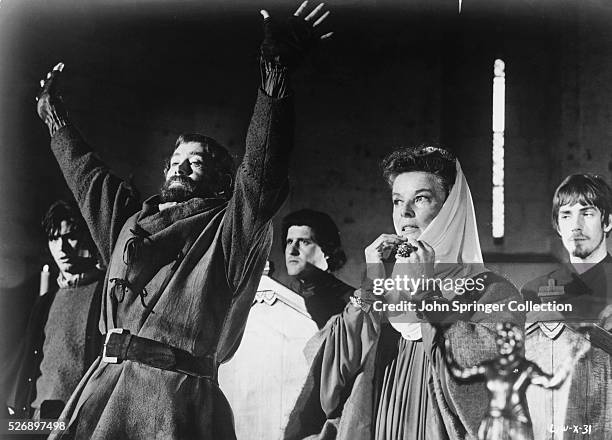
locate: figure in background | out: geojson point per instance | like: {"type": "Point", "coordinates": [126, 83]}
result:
{"type": "Point", "coordinates": [62, 338]}
{"type": "Point", "coordinates": [277, 361]}
{"type": "Point", "coordinates": [182, 269]}
{"type": "Point", "coordinates": [582, 216]}
{"type": "Point", "coordinates": [313, 251]}
{"type": "Point", "coordinates": [507, 378]}
{"type": "Point", "coordinates": [388, 380]}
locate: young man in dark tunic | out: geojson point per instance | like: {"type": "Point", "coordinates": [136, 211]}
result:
{"type": "Point", "coordinates": [582, 216]}
{"type": "Point", "coordinates": [313, 251]}
{"type": "Point", "coordinates": [62, 338]}
{"type": "Point", "coordinates": [184, 268]}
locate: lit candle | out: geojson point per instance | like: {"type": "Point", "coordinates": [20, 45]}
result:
{"type": "Point", "coordinates": [45, 274]}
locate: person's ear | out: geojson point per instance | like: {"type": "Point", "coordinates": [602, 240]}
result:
{"type": "Point", "coordinates": [224, 185]}
{"type": "Point", "coordinates": [228, 180]}
{"type": "Point", "coordinates": [608, 224]}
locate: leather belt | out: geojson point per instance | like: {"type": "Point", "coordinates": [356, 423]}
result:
{"type": "Point", "coordinates": [121, 345]}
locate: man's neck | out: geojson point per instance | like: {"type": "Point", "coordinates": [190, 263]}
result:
{"type": "Point", "coordinates": [581, 265]}
{"type": "Point", "coordinates": [312, 276]}
{"type": "Point", "coordinates": [166, 205]}
{"type": "Point", "coordinates": [66, 279]}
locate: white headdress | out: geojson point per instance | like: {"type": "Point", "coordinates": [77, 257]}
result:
{"type": "Point", "coordinates": [454, 236]}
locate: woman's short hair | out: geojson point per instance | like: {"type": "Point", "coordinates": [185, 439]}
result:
{"type": "Point", "coordinates": [426, 158]}
{"type": "Point", "coordinates": [584, 189]}
{"type": "Point", "coordinates": [325, 231]}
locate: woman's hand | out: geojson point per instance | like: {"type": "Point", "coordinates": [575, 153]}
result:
{"type": "Point", "coordinates": [378, 253]}
{"type": "Point", "coordinates": [383, 248]}
{"type": "Point", "coordinates": [418, 265]}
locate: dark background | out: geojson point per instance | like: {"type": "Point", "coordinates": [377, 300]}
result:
{"type": "Point", "coordinates": [138, 73]}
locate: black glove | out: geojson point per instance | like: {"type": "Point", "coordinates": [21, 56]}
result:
{"type": "Point", "coordinates": [287, 43]}
{"type": "Point", "coordinates": [50, 106]}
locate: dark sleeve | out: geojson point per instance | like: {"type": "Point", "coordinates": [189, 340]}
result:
{"type": "Point", "coordinates": [25, 368]}
{"type": "Point", "coordinates": [261, 180]}
{"type": "Point", "coordinates": [105, 200]}
{"type": "Point", "coordinates": [473, 341]}
{"type": "Point", "coordinates": [93, 337]}
{"type": "Point", "coordinates": [497, 291]}
{"type": "Point", "coordinates": [352, 335]}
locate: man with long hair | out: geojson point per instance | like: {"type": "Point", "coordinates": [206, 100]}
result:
{"type": "Point", "coordinates": [62, 338]}
{"type": "Point", "coordinates": [183, 269]}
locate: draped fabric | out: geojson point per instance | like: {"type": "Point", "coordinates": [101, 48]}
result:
{"type": "Point", "coordinates": [184, 276]}
{"type": "Point", "coordinates": [585, 398]}
{"type": "Point", "coordinates": [404, 406]}
{"type": "Point", "coordinates": [376, 384]}
{"type": "Point", "coordinates": [453, 234]}
{"type": "Point", "coordinates": [62, 335]}
{"type": "Point", "coordinates": [363, 360]}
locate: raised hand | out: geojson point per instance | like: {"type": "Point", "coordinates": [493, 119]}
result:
{"type": "Point", "coordinates": [287, 43]}
{"type": "Point", "coordinates": [49, 105]}
{"type": "Point", "coordinates": [315, 12]}
{"type": "Point", "coordinates": [419, 263]}
{"type": "Point", "coordinates": [383, 248]}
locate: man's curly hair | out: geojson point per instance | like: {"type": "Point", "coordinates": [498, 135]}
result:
{"type": "Point", "coordinates": [326, 234]}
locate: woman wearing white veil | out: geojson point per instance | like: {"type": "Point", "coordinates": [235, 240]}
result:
{"type": "Point", "coordinates": [390, 382]}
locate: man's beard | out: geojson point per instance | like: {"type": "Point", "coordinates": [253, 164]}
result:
{"type": "Point", "coordinates": [583, 252]}
{"type": "Point", "coordinates": [185, 189]}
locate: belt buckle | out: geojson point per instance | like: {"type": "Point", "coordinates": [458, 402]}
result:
{"type": "Point", "coordinates": [111, 359]}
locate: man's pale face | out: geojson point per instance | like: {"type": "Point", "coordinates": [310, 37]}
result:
{"type": "Point", "coordinates": [417, 198]}
{"type": "Point", "coordinates": [582, 230]}
{"type": "Point", "coordinates": [66, 249]}
{"type": "Point", "coordinates": [187, 173]}
{"type": "Point", "coordinates": [187, 160]}
{"type": "Point", "coordinates": [302, 252]}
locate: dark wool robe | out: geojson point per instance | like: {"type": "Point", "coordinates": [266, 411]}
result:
{"type": "Point", "coordinates": [355, 360]}
{"type": "Point", "coordinates": [39, 333]}
{"type": "Point", "coordinates": [185, 276]}
{"type": "Point", "coordinates": [324, 295]}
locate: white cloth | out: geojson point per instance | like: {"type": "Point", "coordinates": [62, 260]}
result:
{"type": "Point", "coordinates": [453, 235]}
{"type": "Point", "coordinates": [453, 232]}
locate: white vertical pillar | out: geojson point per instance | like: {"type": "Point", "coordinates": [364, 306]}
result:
{"type": "Point", "coordinates": [499, 115]}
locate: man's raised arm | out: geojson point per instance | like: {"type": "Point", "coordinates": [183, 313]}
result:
{"type": "Point", "coordinates": [104, 199]}
{"type": "Point", "coordinates": [261, 180]}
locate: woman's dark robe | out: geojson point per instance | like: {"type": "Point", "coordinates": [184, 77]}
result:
{"type": "Point", "coordinates": [361, 354]}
